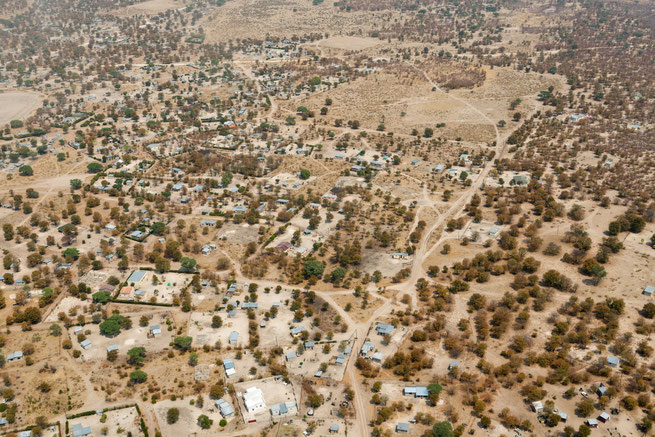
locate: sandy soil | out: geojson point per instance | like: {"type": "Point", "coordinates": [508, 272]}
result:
{"type": "Point", "coordinates": [17, 105]}
{"type": "Point", "coordinates": [254, 18]}
{"type": "Point", "coordinates": [349, 42]}
{"type": "Point", "coordinates": [150, 7]}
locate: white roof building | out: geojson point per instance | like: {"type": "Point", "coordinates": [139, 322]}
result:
{"type": "Point", "coordinates": [253, 399]}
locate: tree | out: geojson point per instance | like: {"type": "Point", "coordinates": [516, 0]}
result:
{"type": "Point", "coordinates": [188, 264]}
{"type": "Point", "coordinates": [172, 415]}
{"type": "Point", "coordinates": [443, 429]}
{"type": "Point", "coordinates": [71, 253]}
{"type": "Point", "coordinates": [183, 343]}
{"type": "Point", "coordinates": [110, 328]}
{"type": "Point", "coordinates": [217, 391]}
{"type": "Point", "coordinates": [193, 359]}
{"type": "Point", "coordinates": [315, 400]}
{"type": "Point", "coordinates": [136, 356]}
{"type": "Point", "coordinates": [8, 230]}
{"type": "Point", "coordinates": [584, 431]}
{"type": "Point", "coordinates": [94, 167]}
{"type": "Point", "coordinates": [138, 376]}
{"type": "Point", "coordinates": [305, 174]}
{"type": "Point", "coordinates": [313, 267]}
{"type": "Point", "coordinates": [158, 228]}
{"type": "Point", "coordinates": [76, 184]}
{"type": "Point", "coordinates": [648, 310]}
{"type": "Point", "coordinates": [25, 170]}
{"type": "Point", "coordinates": [204, 422]}
{"type": "Point", "coordinates": [55, 330]}
{"type": "Point", "coordinates": [112, 355]}
{"type": "Point", "coordinates": [226, 178]}
{"type": "Point", "coordinates": [217, 322]}
{"type": "Point", "coordinates": [338, 274]}
{"type": "Point", "coordinates": [101, 297]}
{"type": "Point", "coordinates": [585, 407]}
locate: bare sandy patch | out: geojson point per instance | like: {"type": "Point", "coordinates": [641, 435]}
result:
{"type": "Point", "coordinates": [18, 105]}
{"type": "Point", "coordinates": [151, 7]}
{"type": "Point", "coordinates": [349, 43]}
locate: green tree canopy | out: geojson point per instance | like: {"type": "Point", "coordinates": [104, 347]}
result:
{"type": "Point", "coordinates": [101, 297]}
{"type": "Point", "coordinates": [188, 264]}
{"type": "Point", "coordinates": [314, 267]}
{"type": "Point", "coordinates": [204, 422]}
{"type": "Point", "coordinates": [25, 170]}
{"type": "Point", "coordinates": [138, 376]}
{"type": "Point", "coordinates": [136, 356]}
{"type": "Point", "coordinates": [94, 167]}
{"type": "Point", "coordinates": [442, 429]}
{"type": "Point", "coordinates": [71, 252]}
{"type": "Point", "coordinates": [183, 343]}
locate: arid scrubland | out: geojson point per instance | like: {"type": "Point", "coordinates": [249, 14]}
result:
{"type": "Point", "coordinates": [327, 218]}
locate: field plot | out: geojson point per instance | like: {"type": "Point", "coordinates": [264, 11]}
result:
{"type": "Point", "coordinates": [327, 360]}
{"type": "Point", "coordinates": [349, 43]}
{"type": "Point", "coordinates": [146, 285]}
{"type": "Point", "coordinates": [187, 424]}
{"type": "Point", "coordinates": [259, 400]}
{"type": "Point", "coordinates": [253, 18]}
{"type": "Point", "coordinates": [150, 7]}
{"type": "Point", "coordinates": [200, 328]}
{"type": "Point", "coordinates": [17, 105]}
{"type": "Point", "coordinates": [121, 422]}
{"type": "Point", "coordinates": [137, 336]}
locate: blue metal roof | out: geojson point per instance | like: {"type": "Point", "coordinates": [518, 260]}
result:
{"type": "Point", "coordinates": [136, 276]}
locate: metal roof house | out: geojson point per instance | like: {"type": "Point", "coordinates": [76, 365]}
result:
{"type": "Point", "coordinates": [649, 290]}
{"type": "Point", "coordinates": [81, 431]}
{"type": "Point", "coordinates": [419, 391]}
{"type": "Point", "coordinates": [18, 355]}
{"type": "Point", "coordinates": [334, 428]}
{"type": "Point", "coordinates": [225, 408]}
{"type": "Point", "coordinates": [341, 358]}
{"type": "Point", "coordinates": [232, 339]}
{"type": "Point", "coordinates": [155, 330]}
{"type": "Point", "coordinates": [228, 366]}
{"type": "Point", "coordinates": [367, 347]}
{"type": "Point", "coordinates": [282, 408]}
{"type": "Point", "coordinates": [613, 361]}
{"type": "Point", "coordinates": [112, 347]}
{"type": "Point", "coordinates": [290, 356]}
{"type": "Point", "coordinates": [604, 417]}
{"type": "Point", "coordinates": [297, 330]}
{"type": "Point", "coordinates": [383, 328]}
{"type": "Point", "coordinates": [592, 423]}
{"type": "Point", "coordinates": [136, 276]}
{"type": "Point", "coordinates": [85, 344]}
{"type": "Point", "coordinates": [402, 427]}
